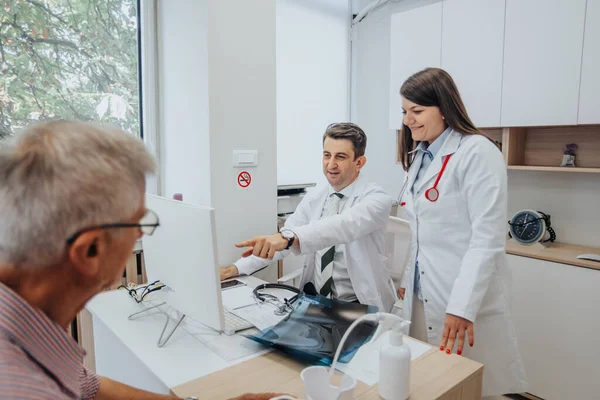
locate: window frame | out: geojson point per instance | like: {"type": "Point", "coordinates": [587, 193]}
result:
{"type": "Point", "coordinates": [148, 85]}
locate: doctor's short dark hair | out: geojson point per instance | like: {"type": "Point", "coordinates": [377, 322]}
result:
{"type": "Point", "coordinates": [349, 131]}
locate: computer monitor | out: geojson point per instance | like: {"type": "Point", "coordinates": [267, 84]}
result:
{"type": "Point", "coordinates": [182, 254]}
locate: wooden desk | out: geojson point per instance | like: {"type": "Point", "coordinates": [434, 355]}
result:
{"type": "Point", "coordinates": [434, 375]}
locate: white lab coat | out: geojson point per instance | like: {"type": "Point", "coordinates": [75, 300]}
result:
{"type": "Point", "coordinates": [360, 226]}
{"type": "Point", "coordinates": [461, 239]}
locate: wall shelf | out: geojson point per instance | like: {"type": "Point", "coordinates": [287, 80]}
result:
{"type": "Point", "coordinates": [554, 169]}
{"type": "Point", "coordinates": [556, 252]}
{"type": "Point", "coordinates": [541, 148]}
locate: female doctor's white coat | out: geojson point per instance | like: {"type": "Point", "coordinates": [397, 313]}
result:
{"type": "Point", "coordinates": [461, 254]}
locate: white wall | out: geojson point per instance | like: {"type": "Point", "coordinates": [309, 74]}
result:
{"type": "Point", "coordinates": [217, 94]}
{"type": "Point", "coordinates": [571, 199]}
{"type": "Point", "coordinates": [312, 82]}
{"type": "Point", "coordinates": [241, 64]}
{"type": "Point", "coordinates": [370, 92]}
{"type": "Point", "coordinates": [183, 99]}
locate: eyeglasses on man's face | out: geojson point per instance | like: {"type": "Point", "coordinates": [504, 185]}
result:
{"type": "Point", "coordinates": [148, 224]}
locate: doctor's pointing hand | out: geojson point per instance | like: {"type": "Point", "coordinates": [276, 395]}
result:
{"type": "Point", "coordinates": [454, 196]}
{"type": "Point", "coordinates": [265, 246]}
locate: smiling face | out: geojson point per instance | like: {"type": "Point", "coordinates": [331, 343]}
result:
{"type": "Point", "coordinates": [426, 123]}
{"type": "Point", "coordinates": [339, 166]}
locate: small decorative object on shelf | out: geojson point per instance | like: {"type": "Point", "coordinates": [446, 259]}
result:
{"type": "Point", "coordinates": [569, 155]}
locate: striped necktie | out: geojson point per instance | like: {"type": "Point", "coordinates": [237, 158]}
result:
{"type": "Point", "coordinates": [325, 273]}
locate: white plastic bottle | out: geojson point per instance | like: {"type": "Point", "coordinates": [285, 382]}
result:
{"type": "Point", "coordinates": [394, 366]}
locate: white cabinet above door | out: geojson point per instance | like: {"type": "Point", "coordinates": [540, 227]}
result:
{"type": "Point", "coordinates": [415, 44]}
{"type": "Point", "coordinates": [472, 49]}
{"type": "Point", "coordinates": [589, 97]}
{"type": "Point", "coordinates": [542, 62]}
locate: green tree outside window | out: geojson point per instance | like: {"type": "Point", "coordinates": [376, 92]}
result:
{"type": "Point", "coordinates": [75, 59]}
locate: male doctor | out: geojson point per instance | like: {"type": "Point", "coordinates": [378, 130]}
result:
{"type": "Point", "coordinates": [339, 228]}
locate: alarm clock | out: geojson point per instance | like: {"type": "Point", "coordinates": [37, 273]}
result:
{"type": "Point", "coordinates": [529, 227]}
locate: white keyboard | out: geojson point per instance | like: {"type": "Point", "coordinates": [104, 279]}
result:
{"type": "Point", "coordinates": [233, 323]}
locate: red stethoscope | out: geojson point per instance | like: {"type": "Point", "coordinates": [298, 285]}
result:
{"type": "Point", "coordinates": [431, 194]}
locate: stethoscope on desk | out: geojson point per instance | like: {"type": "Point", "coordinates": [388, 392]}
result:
{"type": "Point", "coordinates": [431, 194]}
{"type": "Point", "coordinates": [281, 307]}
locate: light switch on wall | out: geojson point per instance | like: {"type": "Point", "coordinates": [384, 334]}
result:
{"type": "Point", "coordinates": [245, 158]}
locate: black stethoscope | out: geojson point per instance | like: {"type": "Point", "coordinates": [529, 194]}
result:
{"type": "Point", "coordinates": [431, 194]}
{"type": "Point", "coordinates": [283, 307]}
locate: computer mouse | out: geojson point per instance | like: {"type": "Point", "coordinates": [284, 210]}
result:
{"type": "Point", "coordinates": [591, 257]}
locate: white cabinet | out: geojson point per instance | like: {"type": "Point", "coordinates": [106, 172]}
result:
{"type": "Point", "coordinates": [542, 62]}
{"type": "Point", "coordinates": [472, 50]}
{"type": "Point", "coordinates": [415, 44]}
{"type": "Point", "coordinates": [555, 312]}
{"type": "Point", "coordinates": [589, 97]}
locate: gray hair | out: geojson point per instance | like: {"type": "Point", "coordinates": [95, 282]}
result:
{"type": "Point", "coordinates": [59, 177]}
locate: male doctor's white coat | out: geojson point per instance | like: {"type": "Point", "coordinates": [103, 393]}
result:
{"type": "Point", "coordinates": [461, 253]}
{"type": "Point", "coordinates": [360, 226]}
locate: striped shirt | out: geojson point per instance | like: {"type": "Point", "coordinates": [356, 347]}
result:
{"type": "Point", "coordinates": [38, 359]}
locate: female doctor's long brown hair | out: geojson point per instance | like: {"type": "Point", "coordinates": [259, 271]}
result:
{"type": "Point", "coordinates": [434, 87]}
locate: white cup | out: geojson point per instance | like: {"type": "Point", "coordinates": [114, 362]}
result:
{"type": "Point", "coordinates": [318, 387]}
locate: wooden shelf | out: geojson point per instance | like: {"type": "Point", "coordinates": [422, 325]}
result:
{"type": "Point", "coordinates": [556, 252]}
{"type": "Point", "coordinates": [553, 169]}
{"type": "Point", "coordinates": [541, 148]}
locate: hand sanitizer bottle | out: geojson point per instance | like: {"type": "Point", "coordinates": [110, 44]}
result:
{"type": "Point", "coordinates": [394, 365]}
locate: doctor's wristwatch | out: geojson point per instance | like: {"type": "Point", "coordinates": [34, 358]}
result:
{"type": "Point", "coordinates": [289, 236]}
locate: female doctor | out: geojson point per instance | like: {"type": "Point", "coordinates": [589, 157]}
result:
{"type": "Point", "coordinates": [454, 195]}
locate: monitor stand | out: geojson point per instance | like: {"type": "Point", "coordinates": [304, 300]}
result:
{"type": "Point", "coordinates": [161, 342]}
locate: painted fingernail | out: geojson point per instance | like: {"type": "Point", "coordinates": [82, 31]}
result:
{"type": "Point", "coordinates": [471, 344]}
{"type": "Point", "coordinates": [441, 347]}
{"type": "Point", "coordinates": [459, 352]}
{"type": "Point", "coordinates": [447, 351]}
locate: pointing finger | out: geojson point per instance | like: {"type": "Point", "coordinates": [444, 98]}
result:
{"type": "Point", "coordinates": [246, 243]}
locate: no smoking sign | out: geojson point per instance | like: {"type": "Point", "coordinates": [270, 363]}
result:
{"type": "Point", "coordinates": [244, 179]}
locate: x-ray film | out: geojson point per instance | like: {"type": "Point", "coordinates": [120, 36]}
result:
{"type": "Point", "coordinates": [315, 327]}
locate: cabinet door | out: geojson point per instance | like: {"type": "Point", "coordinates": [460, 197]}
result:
{"type": "Point", "coordinates": [472, 50]}
{"type": "Point", "coordinates": [589, 97]}
{"type": "Point", "coordinates": [415, 44]}
{"type": "Point", "coordinates": [555, 312]}
{"type": "Point", "coordinates": [542, 62]}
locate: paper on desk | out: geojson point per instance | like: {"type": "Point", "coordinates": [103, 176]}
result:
{"type": "Point", "coordinates": [230, 348]}
{"type": "Point", "coordinates": [237, 297]}
{"type": "Point", "coordinates": [261, 316]}
{"type": "Point", "coordinates": [365, 363]}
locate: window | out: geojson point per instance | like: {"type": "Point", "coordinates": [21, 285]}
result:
{"type": "Point", "coordinates": [75, 59]}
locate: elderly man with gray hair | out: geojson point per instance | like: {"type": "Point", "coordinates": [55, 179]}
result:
{"type": "Point", "coordinates": [72, 205]}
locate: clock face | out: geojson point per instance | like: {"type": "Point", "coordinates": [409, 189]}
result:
{"type": "Point", "coordinates": [526, 227]}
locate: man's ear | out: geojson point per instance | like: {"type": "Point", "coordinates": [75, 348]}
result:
{"type": "Point", "coordinates": [85, 252]}
{"type": "Point", "coordinates": [362, 160]}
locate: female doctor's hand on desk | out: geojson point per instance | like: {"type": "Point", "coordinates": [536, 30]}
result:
{"type": "Point", "coordinates": [454, 327]}
{"type": "Point", "coordinates": [264, 246]}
